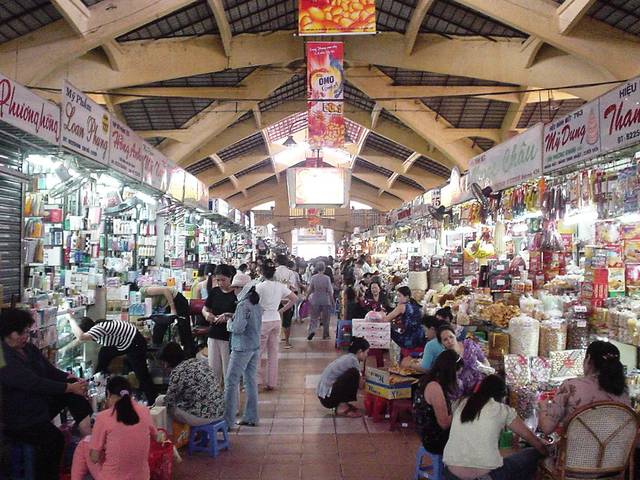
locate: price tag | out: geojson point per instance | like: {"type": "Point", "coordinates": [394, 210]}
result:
{"type": "Point", "coordinates": [580, 309]}
{"type": "Point", "coordinates": [582, 324]}
{"type": "Point", "coordinates": [500, 282]}
{"type": "Point", "coordinates": [499, 267]}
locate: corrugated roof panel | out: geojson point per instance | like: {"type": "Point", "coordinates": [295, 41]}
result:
{"type": "Point", "coordinates": [432, 166]}
{"type": "Point", "coordinates": [621, 14]}
{"type": "Point", "coordinates": [162, 113]}
{"type": "Point", "coordinates": [19, 18]}
{"type": "Point", "coordinates": [394, 15]}
{"type": "Point", "coordinates": [547, 111]}
{"type": "Point", "coordinates": [194, 19]}
{"type": "Point", "coordinates": [264, 163]}
{"type": "Point", "coordinates": [220, 183]}
{"type": "Point", "coordinates": [411, 183]}
{"type": "Point", "coordinates": [403, 76]}
{"type": "Point", "coordinates": [450, 18]}
{"type": "Point", "coordinates": [357, 98]}
{"type": "Point", "coordinates": [243, 146]}
{"type": "Point", "coordinates": [469, 112]}
{"type": "Point", "coordinates": [294, 89]}
{"type": "Point", "coordinates": [387, 146]}
{"type": "Point", "coordinates": [261, 15]}
{"type": "Point", "coordinates": [201, 166]}
{"type": "Point", "coordinates": [224, 78]}
{"type": "Point", "coordinates": [360, 162]}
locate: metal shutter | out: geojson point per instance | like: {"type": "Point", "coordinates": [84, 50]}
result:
{"type": "Point", "coordinates": [11, 194]}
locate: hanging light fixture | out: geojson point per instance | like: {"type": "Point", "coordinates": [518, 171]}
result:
{"type": "Point", "coordinates": [290, 142]}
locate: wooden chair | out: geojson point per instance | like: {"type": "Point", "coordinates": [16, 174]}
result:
{"type": "Point", "coordinates": [597, 442]}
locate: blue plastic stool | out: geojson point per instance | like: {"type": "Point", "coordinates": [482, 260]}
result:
{"type": "Point", "coordinates": [209, 441]}
{"type": "Point", "coordinates": [22, 462]}
{"type": "Point", "coordinates": [434, 471]}
{"type": "Point", "coordinates": [343, 333]}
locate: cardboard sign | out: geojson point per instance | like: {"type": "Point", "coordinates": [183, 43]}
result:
{"type": "Point", "coordinates": [620, 116]}
{"type": "Point", "coordinates": [127, 150]}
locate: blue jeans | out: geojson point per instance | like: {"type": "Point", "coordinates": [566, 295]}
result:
{"type": "Point", "coordinates": [242, 364]}
{"type": "Point", "coordinates": [521, 465]}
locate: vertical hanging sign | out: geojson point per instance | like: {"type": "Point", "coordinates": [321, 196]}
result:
{"type": "Point", "coordinates": [85, 125]}
{"type": "Point", "coordinates": [325, 94]}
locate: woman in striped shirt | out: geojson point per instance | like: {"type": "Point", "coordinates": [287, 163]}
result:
{"type": "Point", "coordinates": [119, 338]}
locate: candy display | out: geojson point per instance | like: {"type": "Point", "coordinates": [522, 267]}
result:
{"type": "Point", "coordinates": [553, 336]}
{"type": "Point", "coordinates": [525, 336]}
{"type": "Point", "coordinates": [567, 363]}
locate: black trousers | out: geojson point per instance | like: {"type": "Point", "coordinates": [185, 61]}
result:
{"type": "Point", "coordinates": [137, 356]}
{"type": "Point", "coordinates": [345, 389]}
{"type": "Point", "coordinates": [184, 326]}
{"type": "Point", "coordinates": [47, 439]}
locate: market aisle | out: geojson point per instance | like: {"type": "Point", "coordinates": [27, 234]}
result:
{"type": "Point", "coordinates": [299, 439]}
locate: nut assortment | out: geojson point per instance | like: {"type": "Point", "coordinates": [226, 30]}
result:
{"type": "Point", "coordinates": [499, 314]}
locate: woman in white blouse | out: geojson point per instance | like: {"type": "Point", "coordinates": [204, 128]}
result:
{"type": "Point", "coordinates": [472, 450]}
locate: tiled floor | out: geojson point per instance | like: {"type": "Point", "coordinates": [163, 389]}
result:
{"type": "Point", "coordinates": [299, 439]}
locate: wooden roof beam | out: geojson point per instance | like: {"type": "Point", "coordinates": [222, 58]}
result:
{"type": "Point", "coordinates": [75, 13]}
{"type": "Point", "coordinates": [570, 13]}
{"type": "Point", "coordinates": [232, 167]}
{"type": "Point", "coordinates": [224, 28]}
{"type": "Point", "coordinates": [415, 22]}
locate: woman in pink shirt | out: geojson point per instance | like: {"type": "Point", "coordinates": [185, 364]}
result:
{"type": "Point", "coordinates": [118, 448]}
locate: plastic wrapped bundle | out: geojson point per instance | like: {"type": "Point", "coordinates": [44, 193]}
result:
{"type": "Point", "coordinates": [498, 345]}
{"type": "Point", "coordinates": [577, 334]}
{"type": "Point", "coordinates": [553, 336]}
{"type": "Point", "coordinates": [418, 281]}
{"type": "Point", "coordinates": [525, 336]}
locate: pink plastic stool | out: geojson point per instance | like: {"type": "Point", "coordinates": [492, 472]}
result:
{"type": "Point", "coordinates": [397, 408]}
{"type": "Point", "coordinates": [375, 407]}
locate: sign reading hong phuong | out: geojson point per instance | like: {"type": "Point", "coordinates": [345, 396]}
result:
{"type": "Point", "coordinates": [572, 138]}
{"type": "Point", "coordinates": [325, 93]}
{"type": "Point", "coordinates": [28, 112]}
{"type": "Point", "coordinates": [85, 125]}
{"type": "Point", "coordinates": [620, 116]}
{"type": "Point", "coordinates": [515, 161]}
{"type": "Point", "coordinates": [333, 17]}
{"type": "Point", "coordinates": [128, 152]}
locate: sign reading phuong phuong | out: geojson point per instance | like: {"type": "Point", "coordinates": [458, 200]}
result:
{"type": "Point", "coordinates": [514, 161]}
{"type": "Point", "coordinates": [85, 125]}
{"type": "Point", "coordinates": [620, 116]}
{"type": "Point", "coordinates": [127, 150]}
{"type": "Point", "coordinates": [29, 112]}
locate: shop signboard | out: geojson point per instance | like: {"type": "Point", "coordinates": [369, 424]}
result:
{"type": "Point", "coordinates": [323, 17]}
{"type": "Point", "coordinates": [510, 163]}
{"type": "Point", "coordinates": [191, 188]}
{"type": "Point", "coordinates": [325, 94]}
{"type": "Point", "coordinates": [27, 111]}
{"type": "Point", "coordinates": [175, 181]}
{"type": "Point", "coordinates": [620, 116]}
{"type": "Point", "coordinates": [155, 169]}
{"type": "Point", "coordinates": [203, 196]}
{"type": "Point", "coordinates": [127, 151]}
{"type": "Point", "coordinates": [85, 125]}
{"type": "Point", "coordinates": [571, 139]}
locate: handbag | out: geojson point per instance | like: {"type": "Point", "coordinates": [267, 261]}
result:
{"type": "Point", "coordinates": [196, 305]}
{"type": "Point", "coordinates": [161, 458]}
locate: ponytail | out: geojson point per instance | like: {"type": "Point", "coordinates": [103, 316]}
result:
{"type": "Point", "coordinates": [604, 357]}
{"type": "Point", "coordinates": [125, 412]}
{"type": "Point", "coordinates": [492, 387]}
{"type": "Point", "coordinates": [253, 296]}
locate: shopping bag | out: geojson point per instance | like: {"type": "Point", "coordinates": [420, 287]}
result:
{"type": "Point", "coordinates": [161, 458]}
{"type": "Point", "coordinates": [304, 309]}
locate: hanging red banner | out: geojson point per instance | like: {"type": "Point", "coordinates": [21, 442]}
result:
{"type": "Point", "coordinates": [336, 17]}
{"type": "Point", "coordinates": [325, 91]}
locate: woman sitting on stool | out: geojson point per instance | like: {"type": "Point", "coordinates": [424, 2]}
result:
{"type": "Point", "coordinates": [119, 445]}
{"type": "Point", "coordinates": [194, 396]}
{"type": "Point", "coordinates": [340, 380]}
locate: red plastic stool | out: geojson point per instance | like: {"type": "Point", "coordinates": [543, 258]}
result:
{"type": "Point", "coordinates": [375, 407]}
{"type": "Point", "coordinates": [397, 408]}
{"type": "Point", "coordinates": [379, 354]}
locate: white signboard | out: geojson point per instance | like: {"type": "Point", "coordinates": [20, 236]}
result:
{"type": "Point", "coordinates": [509, 163]}
{"type": "Point", "coordinates": [620, 116]}
{"type": "Point", "coordinates": [154, 169]}
{"type": "Point", "coordinates": [572, 139]}
{"type": "Point", "coordinates": [85, 125]}
{"type": "Point", "coordinates": [28, 112]}
{"type": "Point", "coordinates": [378, 334]}
{"type": "Point", "coordinates": [126, 153]}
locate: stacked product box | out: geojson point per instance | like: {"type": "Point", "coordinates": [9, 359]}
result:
{"type": "Point", "coordinates": [455, 261]}
{"type": "Point", "coordinates": [382, 383]}
{"type": "Point", "coordinates": [378, 334]}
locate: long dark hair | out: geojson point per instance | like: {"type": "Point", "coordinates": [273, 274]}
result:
{"type": "Point", "coordinates": [491, 387]}
{"type": "Point", "coordinates": [125, 413]}
{"type": "Point", "coordinates": [210, 272]}
{"type": "Point", "coordinates": [443, 328]}
{"type": "Point", "coordinates": [253, 296]}
{"type": "Point", "coordinates": [444, 371]}
{"type": "Point", "coordinates": [268, 270]}
{"type": "Point", "coordinates": [406, 291]}
{"type": "Point", "coordinates": [605, 359]}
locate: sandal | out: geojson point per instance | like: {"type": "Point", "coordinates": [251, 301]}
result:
{"type": "Point", "coordinates": [350, 412]}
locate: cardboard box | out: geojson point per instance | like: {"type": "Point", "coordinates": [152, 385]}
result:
{"type": "Point", "coordinates": [388, 392]}
{"type": "Point", "coordinates": [382, 383]}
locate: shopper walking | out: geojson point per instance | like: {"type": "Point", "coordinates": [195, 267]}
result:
{"type": "Point", "coordinates": [219, 306]}
{"type": "Point", "coordinates": [271, 295]}
{"type": "Point", "coordinates": [118, 338]}
{"type": "Point", "coordinates": [322, 302]}
{"type": "Point", "coordinates": [288, 278]}
{"type": "Point", "coordinates": [245, 355]}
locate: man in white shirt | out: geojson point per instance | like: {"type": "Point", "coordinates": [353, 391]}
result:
{"type": "Point", "coordinates": [289, 278]}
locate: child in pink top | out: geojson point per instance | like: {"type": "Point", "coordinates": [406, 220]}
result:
{"type": "Point", "coordinates": [118, 448]}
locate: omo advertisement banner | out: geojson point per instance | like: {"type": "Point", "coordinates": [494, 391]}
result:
{"type": "Point", "coordinates": [127, 150]}
{"type": "Point", "coordinates": [85, 125]}
{"type": "Point", "coordinates": [332, 17]}
{"type": "Point", "coordinates": [571, 139]}
{"type": "Point", "coordinates": [514, 161]}
{"type": "Point", "coordinates": [325, 92]}
{"type": "Point", "coordinates": [620, 116]}
{"type": "Point", "coordinates": [27, 111]}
